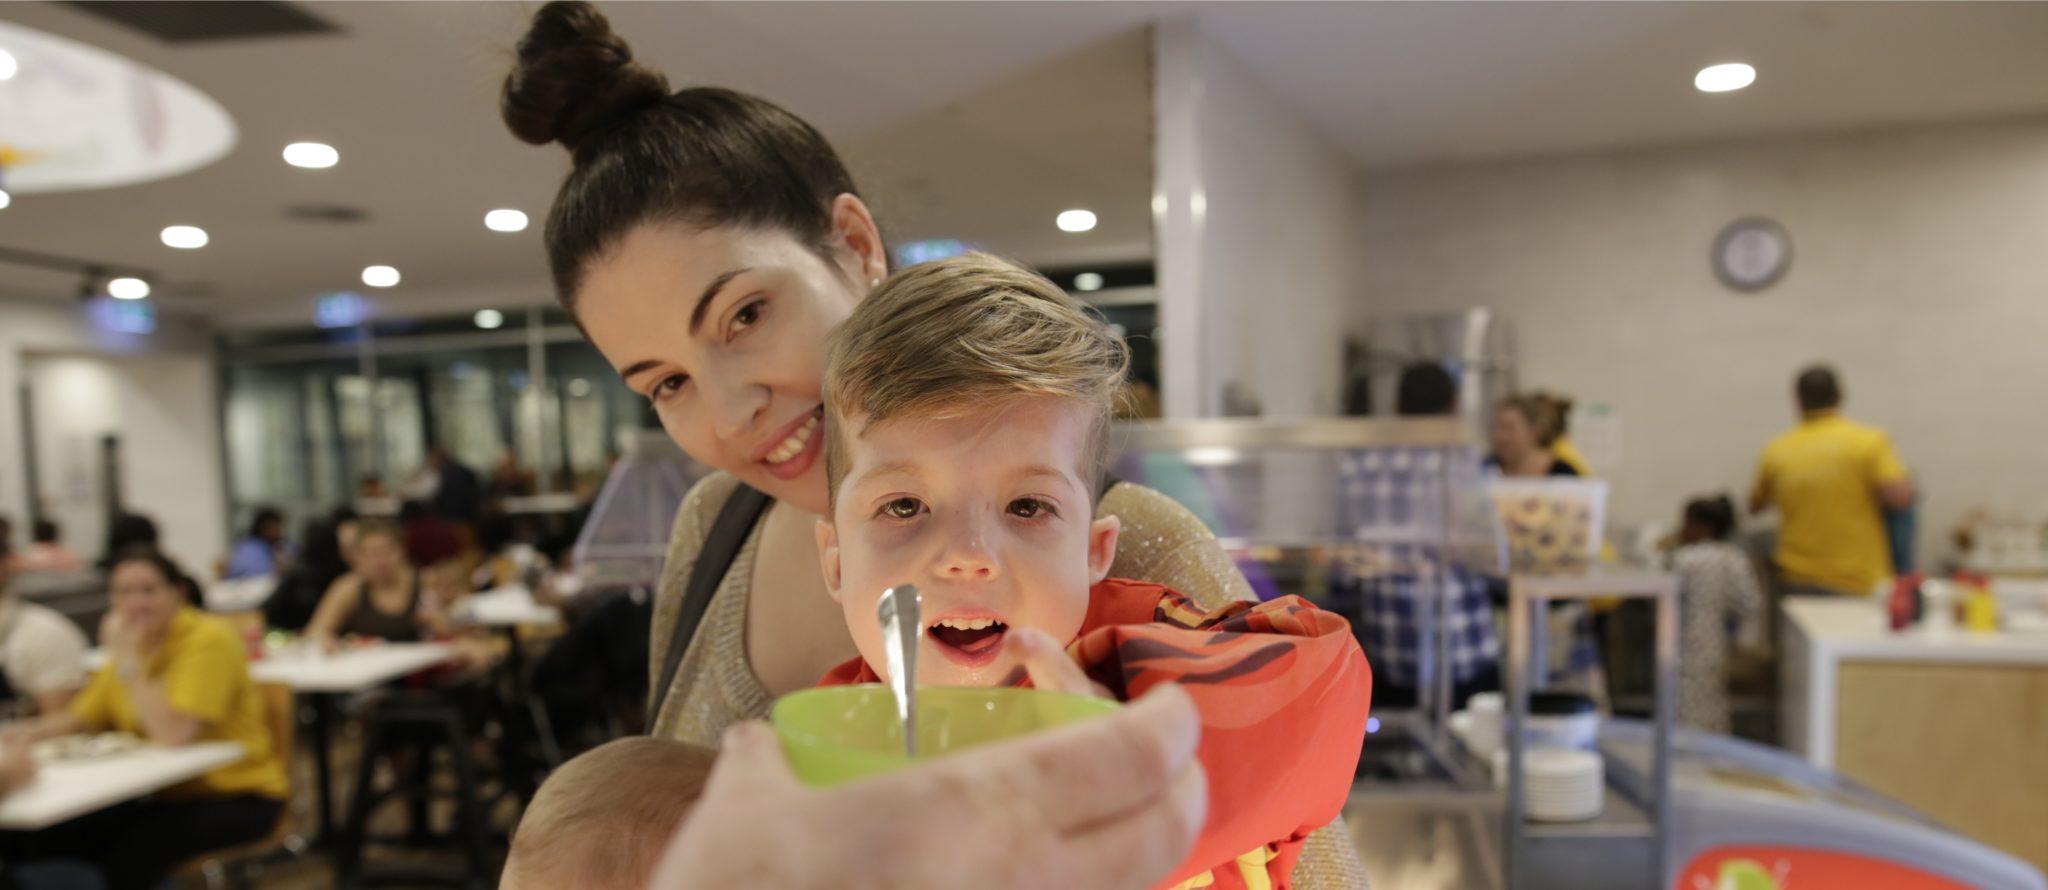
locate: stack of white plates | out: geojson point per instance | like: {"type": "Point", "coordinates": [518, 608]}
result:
{"type": "Point", "coordinates": [1563, 784]}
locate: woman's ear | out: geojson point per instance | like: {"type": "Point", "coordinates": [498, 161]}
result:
{"type": "Point", "coordinates": [1102, 536]}
{"type": "Point", "coordinates": [828, 555]}
{"type": "Point", "coordinates": [864, 257]}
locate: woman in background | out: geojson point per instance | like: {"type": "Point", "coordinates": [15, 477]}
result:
{"type": "Point", "coordinates": [174, 676]}
{"type": "Point", "coordinates": [384, 597]}
{"type": "Point", "coordinates": [1525, 426]}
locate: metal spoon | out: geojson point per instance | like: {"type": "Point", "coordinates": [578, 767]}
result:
{"type": "Point", "coordinates": [901, 615]}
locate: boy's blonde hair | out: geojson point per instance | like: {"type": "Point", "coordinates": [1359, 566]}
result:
{"type": "Point", "coordinates": [950, 337]}
{"type": "Point", "coordinates": [603, 819]}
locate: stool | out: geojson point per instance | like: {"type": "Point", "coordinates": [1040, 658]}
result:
{"type": "Point", "coordinates": [418, 722]}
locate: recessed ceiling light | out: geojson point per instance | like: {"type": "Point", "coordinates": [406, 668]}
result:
{"type": "Point", "coordinates": [5, 199]}
{"type": "Point", "coordinates": [184, 237]}
{"type": "Point", "coordinates": [1088, 281]}
{"type": "Point", "coordinates": [128, 288]}
{"type": "Point", "coordinates": [490, 319]}
{"type": "Point", "coordinates": [7, 65]}
{"type": "Point", "coordinates": [380, 276]}
{"type": "Point", "coordinates": [1724, 78]}
{"type": "Point", "coordinates": [1076, 220]}
{"type": "Point", "coordinates": [311, 155]}
{"type": "Point", "coordinates": [505, 221]}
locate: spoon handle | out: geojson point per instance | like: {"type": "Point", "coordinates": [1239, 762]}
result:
{"type": "Point", "coordinates": [900, 614]}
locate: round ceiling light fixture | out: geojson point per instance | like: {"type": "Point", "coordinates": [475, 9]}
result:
{"type": "Point", "coordinates": [1724, 78]}
{"type": "Point", "coordinates": [1088, 281]}
{"type": "Point", "coordinates": [505, 220]}
{"type": "Point", "coordinates": [1076, 220]}
{"type": "Point", "coordinates": [380, 276]}
{"type": "Point", "coordinates": [311, 155]}
{"type": "Point", "coordinates": [128, 289]}
{"type": "Point", "coordinates": [490, 319]}
{"type": "Point", "coordinates": [7, 65]}
{"type": "Point", "coordinates": [184, 237]}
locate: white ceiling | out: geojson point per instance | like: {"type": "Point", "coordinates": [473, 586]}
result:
{"type": "Point", "coordinates": [1400, 84]}
{"type": "Point", "coordinates": [973, 121]}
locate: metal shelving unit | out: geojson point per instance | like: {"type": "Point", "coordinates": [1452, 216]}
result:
{"type": "Point", "coordinates": [1622, 821]}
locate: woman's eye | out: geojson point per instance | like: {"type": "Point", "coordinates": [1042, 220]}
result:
{"type": "Point", "coordinates": [746, 317]}
{"type": "Point", "coordinates": [667, 386]}
{"type": "Point", "coordinates": [1031, 508]}
{"type": "Point", "coordinates": [902, 508]}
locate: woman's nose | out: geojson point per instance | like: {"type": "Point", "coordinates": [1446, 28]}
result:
{"type": "Point", "coordinates": [735, 407]}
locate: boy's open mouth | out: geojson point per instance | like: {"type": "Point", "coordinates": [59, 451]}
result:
{"type": "Point", "coordinates": [973, 642]}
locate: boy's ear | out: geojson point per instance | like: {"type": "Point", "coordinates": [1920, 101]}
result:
{"type": "Point", "coordinates": [828, 555]}
{"type": "Point", "coordinates": [1102, 547]}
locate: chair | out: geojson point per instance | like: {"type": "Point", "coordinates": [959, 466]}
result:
{"type": "Point", "coordinates": [417, 722]}
{"type": "Point", "coordinates": [228, 867]}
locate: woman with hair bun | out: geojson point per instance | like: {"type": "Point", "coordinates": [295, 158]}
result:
{"type": "Point", "coordinates": [707, 242]}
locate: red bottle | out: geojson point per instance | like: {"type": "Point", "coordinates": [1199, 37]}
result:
{"type": "Point", "coordinates": [1904, 604]}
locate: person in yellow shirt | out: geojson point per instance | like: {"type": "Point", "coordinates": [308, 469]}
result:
{"type": "Point", "coordinates": [1831, 480]}
{"type": "Point", "coordinates": [173, 676]}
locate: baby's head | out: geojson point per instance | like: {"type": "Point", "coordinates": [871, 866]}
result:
{"type": "Point", "coordinates": [967, 407]}
{"type": "Point", "coordinates": [602, 820]}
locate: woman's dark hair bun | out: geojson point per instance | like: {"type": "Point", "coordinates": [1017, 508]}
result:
{"type": "Point", "coordinates": [574, 78]}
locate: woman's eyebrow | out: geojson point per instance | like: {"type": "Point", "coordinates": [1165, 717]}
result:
{"type": "Point", "coordinates": [711, 293]}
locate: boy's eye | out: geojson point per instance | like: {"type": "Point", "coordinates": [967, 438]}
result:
{"type": "Point", "coordinates": [1031, 508]}
{"type": "Point", "coordinates": [902, 508]}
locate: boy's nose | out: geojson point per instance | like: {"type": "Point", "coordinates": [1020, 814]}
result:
{"type": "Point", "coordinates": [968, 556]}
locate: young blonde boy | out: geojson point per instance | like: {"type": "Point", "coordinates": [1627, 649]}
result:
{"type": "Point", "coordinates": [967, 406]}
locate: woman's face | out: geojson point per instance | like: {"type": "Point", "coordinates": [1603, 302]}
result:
{"type": "Point", "coordinates": [145, 598]}
{"type": "Point", "coordinates": [379, 557]}
{"type": "Point", "coordinates": [723, 330]}
{"type": "Point", "coordinates": [1513, 436]}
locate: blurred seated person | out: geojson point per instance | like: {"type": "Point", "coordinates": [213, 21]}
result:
{"type": "Point", "coordinates": [46, 552]}
{"type": "Point", "coordinates": [263, 551]}
{"type": "Point", "coordinates": [372, 486]}
{"type": "Point", "coordinates": [508, 480]}
{"type": "Point", "coordinates": [456, 492]}
{"type": "Point", "coordinates": [1525, 427]}
{"type": "Point", "coordinates": [319, 564]}
{"type": "Point", "coordinates": [384, 597]}
{"type": "Point", "coordinates": [1390, 599]}
{"type": "Point", "coordinates": [174, 676]}
{"type": "Point", "coordinates": [42, 654]}
{"type": "Point", "coordinates": [128, 532]}
{"type": "Point", "coordinates": [1561, 445]}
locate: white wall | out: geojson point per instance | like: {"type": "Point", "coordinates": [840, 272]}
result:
{"type": "Point", "coordinates": [1920, 270]}
{"type": "Point", "coordinates": [158, 392]}
{"type": "Point", "coordinates": [1256, 219]}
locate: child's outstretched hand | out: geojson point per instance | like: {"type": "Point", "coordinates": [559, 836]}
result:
{"type": "Point", "coordinates": [1049, 667]}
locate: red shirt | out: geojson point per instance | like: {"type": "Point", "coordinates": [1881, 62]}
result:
{"type": "Point", "coordinates": [1282, 689]}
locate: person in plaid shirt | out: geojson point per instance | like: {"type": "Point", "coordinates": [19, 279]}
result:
{"type": "Point", "coordinates": [1385, 588]}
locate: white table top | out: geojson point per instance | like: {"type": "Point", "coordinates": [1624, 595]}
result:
{"type": "Point", "coordinates": [349, 670]}
{"type": "Point", "coordinates": [509, 606]}
{"type": "Point", "coordinates": [239, 595]}
{"type": "Point", "coordinates": [69, 789]}
{"type": "Point", "coordinates": [1845, 628]}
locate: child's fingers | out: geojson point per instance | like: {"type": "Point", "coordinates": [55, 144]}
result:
{"type": "Point", "coordinates": [1049, 667]}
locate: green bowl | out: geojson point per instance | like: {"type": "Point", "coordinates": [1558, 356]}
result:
{"type": "Point", "coordinates": [837, 734]}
